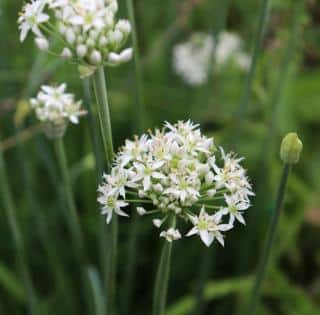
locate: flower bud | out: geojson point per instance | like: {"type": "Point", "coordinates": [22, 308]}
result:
{"type": "Point", "coordinates": [95, 57]}
{"type": "Point", "coordinates": [70, 36]}
{"type": "Point", "coordinates": [42, 43]}
{"type": "Point", "coordinates": [141, 211]}
{"type": "Point", "coordinates": [291, 148]}
{"type": "Point", "coordinates": [81, 50]}
{"type": "Point", "coordinates": [66, 53]}
{"type": "Point", "coordinates": [124, 27]}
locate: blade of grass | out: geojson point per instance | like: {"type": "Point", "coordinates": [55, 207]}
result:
{"type": "Point", "coordinates": [17, 239]}
{"type": "Point", "coordinates": [213, 290]}
{"type": "Point", "coordinates": [97, 291]}
{"type": "Point", "coordinates": [11, 284]}
{"type": "Point", "coordinates": [242, 109]}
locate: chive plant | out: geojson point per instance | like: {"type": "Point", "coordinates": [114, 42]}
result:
{"type": "Point", "coordinates": [177, 173]}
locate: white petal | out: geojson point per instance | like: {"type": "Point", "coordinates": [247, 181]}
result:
{"type": "Point", "coordinates": [193, 231]}
{"type": "Point", "coordinates": [206, 237]}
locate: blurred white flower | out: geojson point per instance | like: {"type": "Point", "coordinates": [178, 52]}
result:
{"type": "Point", "coordinates": [191, 59]}
{"type": "Point", "coordinates": [229, 47]}
{"type": "Point", "coordinates": [178, 172]}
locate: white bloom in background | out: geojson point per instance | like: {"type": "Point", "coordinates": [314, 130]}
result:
{"type": "Point", "coordinates": [229, 47]}
{"type": "Point", "coordinates": [191, 59]}
{"type": "Point", "coordinates": [54, 107]}
{"type": "Point", "coordinates": [171, 234]}
{"type": "Point", "coordinates": [178, 173]}
{"type": "Point", "coordinates": [88, 31]}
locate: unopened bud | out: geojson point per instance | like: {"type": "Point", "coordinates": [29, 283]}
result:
{"type": "Point", "coordinates": [42, 43]}
{"type": "Point", "coordinates": [291, 148]}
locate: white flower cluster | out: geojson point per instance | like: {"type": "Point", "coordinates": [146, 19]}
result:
{"type": "Point", "coordinates": [55, 108]}
{"type": "Point", "coordinates": [192, 59]}
{"type": "Point", "coordinates": [229, 47]}
{"type": "Point", "coordinates": [176, 173]}
{"type": "Point", "coordinates": [87, 30]}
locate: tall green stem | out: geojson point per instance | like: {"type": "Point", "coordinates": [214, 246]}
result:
{"type": "Point", "coordinates": [261, 272]}
{"type": "Point", "coordinates": [244, 103]}
{"type": "Point", "coordinates": [162, 278]}
{"type": "Point", "coordinates": [98, 154]}
{"type": "Point", "coordinates": [140, 109]}
{"type": "Point", "coordinates": [139, 120]}
{"type": "Point", "coordinates": [100, 89]}
{"type": "Point", "coordinates": [17, 238]}
{"type": "Point", "coordinates": [72, 217]}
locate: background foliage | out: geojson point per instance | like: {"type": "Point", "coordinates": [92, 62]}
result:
{"type": "Point", "coordinates": [285, 97]}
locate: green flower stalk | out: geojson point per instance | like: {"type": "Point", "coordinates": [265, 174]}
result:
{"type": "Point", "coordinates": [17, 239]}
{"type": "Point", "coordinates": [55, 108]}
{"type": "Point", "coordinates": [162, 277]}
{"type": "Point", "coordinates": [290, 151]}
{"type": "Point", "coordinates": [100, 89]}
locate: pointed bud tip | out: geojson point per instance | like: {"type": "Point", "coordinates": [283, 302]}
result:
{"type": "Point", "coordinates": [291, 148]}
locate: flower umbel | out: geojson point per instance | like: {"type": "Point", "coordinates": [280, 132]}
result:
{"type": "Point", "coordinates": [178, 172]}
{"type": "Point", "coordinates": [55, 108]}
{"type": "Point", "coordinates": [86, 32]}
{"type": "Point", "coordinates": [191, 59]}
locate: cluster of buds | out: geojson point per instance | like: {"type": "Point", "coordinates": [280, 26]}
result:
{"type": "Point", "coordinates": [178, 173]}
{"type": "Point", "coordinates": [86, 31]}
{"type": "Point", "coordinates": [55, 109]}
{"type": "Point", "coordinates": [192, 59]}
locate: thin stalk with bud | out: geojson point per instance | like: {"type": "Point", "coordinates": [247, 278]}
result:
{"type": "Point", "coordinates": [290, 152]}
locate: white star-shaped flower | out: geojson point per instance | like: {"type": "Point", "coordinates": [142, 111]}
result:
{"type": "Point", "coordinates": [208, 227]}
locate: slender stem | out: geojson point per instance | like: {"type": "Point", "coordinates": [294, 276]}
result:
{"type": "Point", "coordinates": [98, 155]}
{"type": "Point", "coordinates": [139, 120]}
{"type": "Point", "coordinates": [139, 109]}
{"type": "Point", "coordinates": [162, 278]}
{"type": "Point", "coordinates": [100, 88]}
{"type": "Point", "coordinates": [73, 219]}
{"type": "Point", "coordinates": [244, 103]}
{"type": "Point", "coordinates": [201, 281]}
{"type": "Point", "coordinates": [264, 258]}
{"type": "Point", "coordinates": [17, 238]}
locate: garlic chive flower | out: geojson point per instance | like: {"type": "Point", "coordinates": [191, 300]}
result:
{"type": "Point", "coordinates": [229, 48]}
{"type": "Point", "coordinates": [55, 108]}
{"type": "Point", "coordinates": [178, 174]}
{"type": "Point", "coordinates": [86, 32]}
{"type": "Point", "coordinates": [191, 59]}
